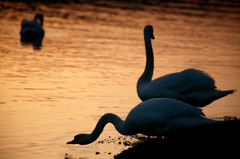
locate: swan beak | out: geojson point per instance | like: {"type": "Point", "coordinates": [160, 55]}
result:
{"type": "Point", "coordinates": [72, 142]}
{"type": "Point", "coordinates": [153, 36]}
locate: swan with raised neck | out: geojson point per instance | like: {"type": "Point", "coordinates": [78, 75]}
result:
{"type": "Point", "coordinates": [191, 86]}
{"type": "Point", "coordinates": [32, 31]}
{"type": "Point", "coordinates": [148, 72]}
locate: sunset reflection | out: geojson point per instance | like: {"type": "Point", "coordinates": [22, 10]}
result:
{"type": "Point", "coordinates": [90, 60]}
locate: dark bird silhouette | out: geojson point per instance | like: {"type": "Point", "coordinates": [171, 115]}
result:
{"type": "Point", "coordinates": [191, 86]}
{"type": "Point", "coordinates": [153, 117]}
{"type": "Point", "coordinates": [32, 31]}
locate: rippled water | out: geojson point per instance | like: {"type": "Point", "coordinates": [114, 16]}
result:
{"type": "Point", "coordinates": [90, 61]}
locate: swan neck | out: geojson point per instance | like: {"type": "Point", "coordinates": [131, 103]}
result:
{"type": "Point", "coordinates": [107, 118]}
{"type": "Point", "coordinates": [40, 17]}
{"type": "Point", "coordinates": [148, 72]}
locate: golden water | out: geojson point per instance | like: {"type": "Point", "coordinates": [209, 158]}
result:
{"type": "Point", "coordinates": [90, 61]}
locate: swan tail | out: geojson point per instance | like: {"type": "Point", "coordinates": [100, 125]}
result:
{"type": "Point", "coordinates": [202, 99]}
{"type": "Point", "coordinates": [229, 91]}
{"type": "Point", "coordinates": [221, 94]}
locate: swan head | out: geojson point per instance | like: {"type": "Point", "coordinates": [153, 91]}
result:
{"type": "Point", "coordinates": [39, 17]}
{"type": "Point", "coordinates": [149, 31]}
{"type": "Point", "coordinates": [81, 139]}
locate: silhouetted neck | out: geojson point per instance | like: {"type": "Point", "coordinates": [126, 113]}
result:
{"type": "Point", "coordinates": [148, 72]}
{"type": "Point", "coordinates": [40, 17]}
{"type": "Point", "coordinates": [107, 118]}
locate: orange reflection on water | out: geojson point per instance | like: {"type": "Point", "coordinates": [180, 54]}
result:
{"type": "Point", "coordinates": [89, 65]}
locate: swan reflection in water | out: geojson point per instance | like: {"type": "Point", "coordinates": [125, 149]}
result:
{"type": "Point", "coordinates": [32, 31]}
{"type": "Point", "coordinates": [191, 86]}
{"type": "Point", "coordinates": [153, 117]}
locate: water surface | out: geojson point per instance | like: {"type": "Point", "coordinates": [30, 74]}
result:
{"type": "Point", "coordinates": [90, 61]}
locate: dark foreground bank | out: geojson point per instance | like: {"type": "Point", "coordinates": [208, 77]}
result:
{"type": "Point", "coordinates": [210, 140]}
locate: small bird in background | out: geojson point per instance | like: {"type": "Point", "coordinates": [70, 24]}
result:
{"type": "Point", "coordinates": [32, 31]}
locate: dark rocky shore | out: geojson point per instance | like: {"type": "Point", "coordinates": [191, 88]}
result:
{"type": "Point", "coordinates": [210, 140]}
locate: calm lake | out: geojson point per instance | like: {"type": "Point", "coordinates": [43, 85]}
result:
{"type": "Point", "coordinates": [89, 64]}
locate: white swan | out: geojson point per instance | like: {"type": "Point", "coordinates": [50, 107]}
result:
{"type": "Point", "coordinates": [191, 86]}
{"type": "Point", "coordinates": [32, 31]}
{"type": "Point", "coordinates": [154, 117]}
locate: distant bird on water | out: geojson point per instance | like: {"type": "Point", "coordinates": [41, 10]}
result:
{"type": "Point", "coordinates": [153, 117]}
{"type": "Point", "coordinates": [191, 86]}
{"type": "Point", "coordinates": [32, 31]}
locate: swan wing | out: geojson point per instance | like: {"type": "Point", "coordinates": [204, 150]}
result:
{"type": "Point", "coordinates": [172, 107]}
{"type": "Point", "coordinates": [30, 24]}
{"type": "Point", "coordinates": [31, 31]}
{"type": "Point", "coordinates": [24, 23]}
{"type": "Point", "coordinates": [154, 116]}
{"type": "Point", "coordinates": [193, 80]}
{"type": "Point", "coordinates": [186, 81]}
{"type": "Point", "coordinates": [161, 109]}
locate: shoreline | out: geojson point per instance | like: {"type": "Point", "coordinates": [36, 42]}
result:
{"type": "Point", "coordinates": [215, 139]}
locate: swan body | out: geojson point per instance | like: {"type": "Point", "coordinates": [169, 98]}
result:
{"type": "Point", "coordinates": [191, 86]}
{"type": "Point", "coordinates": [32, 31]}
{"type": "Point", "coordinates": [153, 117]}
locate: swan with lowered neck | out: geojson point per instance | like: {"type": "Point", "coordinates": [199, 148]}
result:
{"type": "Point", "coordinates": [191, 86]}
{"type": "Point", "coordinates": [154, 117]}
{"type": "Point", "coordinates": [32, 31]}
